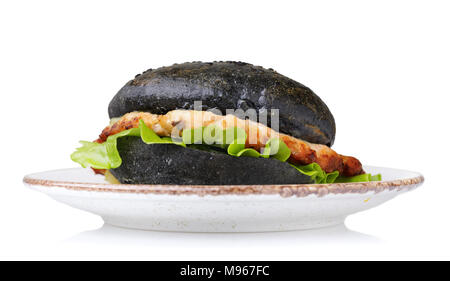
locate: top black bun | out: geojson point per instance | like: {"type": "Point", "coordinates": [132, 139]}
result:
{"type": "Point", "coordinates": [228, 85]}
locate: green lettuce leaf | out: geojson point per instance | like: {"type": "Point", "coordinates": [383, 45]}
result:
{"type": "Point", "coordinates": [106, 156]}
{"type": "Point", "coordinates": [277, 149]}
{"type": "Point", "coordinates": [320, 176]}
{"type": "Point", "coordinates": [316, 173]}
{"type": "Point", "coordinates": [359, 178]}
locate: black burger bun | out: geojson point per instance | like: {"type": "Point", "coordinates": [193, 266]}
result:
{"type": "Point", "coordinates": [229, 85]}
{"type": "Point", "coordinates": [173, 164]}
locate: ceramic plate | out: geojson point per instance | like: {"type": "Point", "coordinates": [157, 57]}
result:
{"type": "Point", "coordinates": [215, 208]}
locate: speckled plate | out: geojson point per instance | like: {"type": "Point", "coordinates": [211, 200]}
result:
{"type": "Point", "coordinates": [239, 208]}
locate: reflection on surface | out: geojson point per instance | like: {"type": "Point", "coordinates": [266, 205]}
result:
{"type": "Point", "coordinates": [108, 234]}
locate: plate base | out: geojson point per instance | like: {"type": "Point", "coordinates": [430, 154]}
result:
{"type": "Point", "coordinates": [209, 226]}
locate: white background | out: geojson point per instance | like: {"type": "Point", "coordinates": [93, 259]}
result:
{"type": "Point", "coordinates": [383, 68]}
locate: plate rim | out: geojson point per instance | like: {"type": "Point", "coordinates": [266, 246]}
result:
{"type": "Point", "coordinates": [284, 190]}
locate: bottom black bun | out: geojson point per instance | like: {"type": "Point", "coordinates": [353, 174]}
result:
{"type": "Point", "coordinates": [173, 164]}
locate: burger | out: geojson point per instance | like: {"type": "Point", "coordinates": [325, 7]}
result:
{"type": "Point", "coordinates": [218, 123]}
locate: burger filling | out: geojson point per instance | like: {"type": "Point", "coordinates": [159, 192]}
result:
{"type": "Point", "coordinates": [222, 134]}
